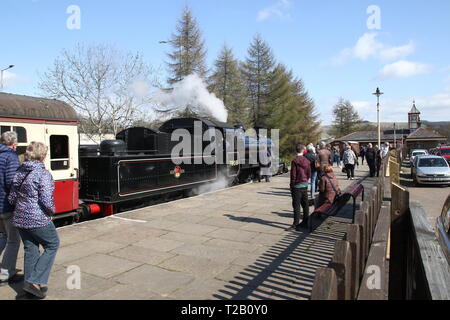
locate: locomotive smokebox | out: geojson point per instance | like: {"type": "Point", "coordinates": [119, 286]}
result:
{"type": "Point", "coordinates": [112, 147]}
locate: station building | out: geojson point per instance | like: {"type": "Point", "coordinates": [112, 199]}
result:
{"type": "Point", "coordinates": [414, 136]}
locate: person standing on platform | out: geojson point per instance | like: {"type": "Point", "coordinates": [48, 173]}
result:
{"type": "Point", "coordinates": [313, 160]}
{"type": "Point", "coordinates": [350, 160]}
{"type": "Point", "coordinates": [324, 156]}
{"type": "Point", "coordinates": [32, 196]}
{"type": "Point", "coordinates": [371, 159]}
{"type": "Point", "coordinates": [300, 175]}
{"type": "Point", "coordinates": [379, 161]}
{"type": "Point", "coordinates": [363, 154]}
{"type": "Point", "coordinates": [9, 238]}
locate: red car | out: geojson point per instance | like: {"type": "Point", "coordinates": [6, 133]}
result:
{"type": "Point", "coordinates": [444, 152]}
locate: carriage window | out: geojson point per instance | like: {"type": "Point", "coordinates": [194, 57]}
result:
{"type": "Point", "coordinates": [5, 129]}
{"type": "Point", "coordinates": [21, 134]}
{"type": "Point", "coordinates": [59, 152]}
{"type": "Point", "coordinates": [21, 153]}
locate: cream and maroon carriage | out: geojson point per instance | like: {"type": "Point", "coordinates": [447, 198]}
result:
{"type": "Point", "coordinates": [55, 124]}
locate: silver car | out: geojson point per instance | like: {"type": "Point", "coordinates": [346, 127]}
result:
{"type": "Point", "coordinates": [431, 170]}
{"type": "Point", "coordinates": [415, 153]}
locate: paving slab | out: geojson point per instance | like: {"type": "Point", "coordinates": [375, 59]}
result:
{"type": "Point", "coordinates": [126, 292]}
{"type": "Point", "coordinates": [159, 244]}
{"type": "Point", "coordinates": [192, 228]}
{"type": "Point", "coordinates": [156, 279]}
{"type": "Point", "coordinates": [143, 255]}
{"type": "Point", "coordinates": [199, 267]}
{"type": "Point", "coordinates": [186, 238]}
{"type": "Point", "coordinates": [86, 248]}
{"type": "Point", "coordinates": [132, 234]}
{"type": "Point", "coordinates": [104, 266]}
{"type": "Point", "coordinates": [90, 285]}
{"type": "Point", "coordinates": [233, 234]}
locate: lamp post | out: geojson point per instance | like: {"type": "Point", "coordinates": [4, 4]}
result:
{"type": "Point", "coordinates": [395, 136]}
{"type": "Point", "coordinates": [1, 76]}
{"type": "Point", "coordinates": [378, 93]}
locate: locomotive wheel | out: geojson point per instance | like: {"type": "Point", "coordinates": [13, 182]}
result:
{"type": "Point", "coordinates": [76, 217]}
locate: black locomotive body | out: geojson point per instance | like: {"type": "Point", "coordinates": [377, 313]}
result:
{"type": "Point", "coordinates": [141, 163]}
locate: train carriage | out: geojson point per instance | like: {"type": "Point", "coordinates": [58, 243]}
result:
{"type": "Point", "coordinates": [54, 123]}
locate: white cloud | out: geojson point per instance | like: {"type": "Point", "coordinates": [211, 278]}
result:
{"type": "Point", "coordinates": [278, 10]}
{"type": "Point", "coordinates": [368, 46]}
{"type": "Point", "coordinates": [404, 69]}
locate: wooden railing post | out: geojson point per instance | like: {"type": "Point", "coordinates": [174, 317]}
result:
{"type": "Point", "coordinates": [342, 265]}
{"type": "Point", "coordinates": [353, 237]}
{"type": "Point", "coordinates": [398, 245]}
{"type": "Point", "coordinates": [361, 222]}
{"type": "Point", "coordinates": [325, 285]}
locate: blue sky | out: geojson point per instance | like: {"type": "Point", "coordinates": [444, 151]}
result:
{"type": "Point", "coordinates": [327, 43]}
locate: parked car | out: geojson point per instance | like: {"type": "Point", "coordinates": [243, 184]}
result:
{"type": "Point", "coordinates": [282, 168]}
{"type": "Point", "coordinates": [443, 229]}
{"type": "Point", "coordinates": [431, 170]}
{"type": "Point", "coordinates": [443, 152]}
{"type": "Point", "coordinates": [414, 164]}
{"type": "Point", "coordinates": [415, 153]}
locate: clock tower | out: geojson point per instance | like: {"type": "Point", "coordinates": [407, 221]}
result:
{"type": "Point", "coordinates": [414, 118]}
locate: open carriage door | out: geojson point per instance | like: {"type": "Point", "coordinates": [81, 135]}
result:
{"type": "Point", "coordinates": [62, 162]}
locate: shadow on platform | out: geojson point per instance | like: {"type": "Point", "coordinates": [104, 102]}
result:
{"type": "Point", "coordinates": [286, 271]}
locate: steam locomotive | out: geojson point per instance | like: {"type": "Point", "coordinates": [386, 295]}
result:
{"type": "Point", "coordinates": [138, 165]}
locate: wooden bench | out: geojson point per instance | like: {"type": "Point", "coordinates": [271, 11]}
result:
{"type": "Point", "coordinates": [329, 210]}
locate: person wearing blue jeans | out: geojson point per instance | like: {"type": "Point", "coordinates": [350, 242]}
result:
{"type": "Point", "coordinates": [32, 196]}
{"type": "Point", "coordinates": [313, 184]}
{"type": "Point", "coordinates": [313, 159]}
{"type": "Point", "coordinates": [37, 267]}
{"type": "Point", "coordinates": [9, 236]}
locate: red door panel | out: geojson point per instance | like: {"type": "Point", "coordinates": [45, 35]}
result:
{"type": "Point", "coordinates": [66, 196]}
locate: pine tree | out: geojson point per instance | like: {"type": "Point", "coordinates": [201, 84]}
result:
{"type": "Point", "coordinates": [257, 71]}
{"type": "Point", "coordinates": [292, 111]}
{"type": "Point", "coordinates": [346, 118]}
{"type": "Point", "coordinates": [228, 85]}
{"type": "Point", "coordinates": [188, 55]}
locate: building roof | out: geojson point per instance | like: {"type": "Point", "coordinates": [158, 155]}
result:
{"type": "Point", "coordinates": [367, 136]}
{"type": "Point", "coordinates": [421, 134]}
{"type": "Point", "coordinates": [426, 134]}
{"type": "Point", "coordinates": [414, 109]}
{"type": "Point", "coordinates": [18, 106]}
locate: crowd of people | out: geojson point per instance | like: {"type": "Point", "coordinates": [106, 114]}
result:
{"type": "Point", "coordinates": [26, 209]}
{"type": "Point", "coordinates": [313, 167]}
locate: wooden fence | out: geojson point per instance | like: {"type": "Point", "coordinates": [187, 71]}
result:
{"type": "Point", "coordinates": [359, 267]}
{"type": "Point", "coordinates": [420, 270]}
{"type": "Point", "coordinates": [390, 252]}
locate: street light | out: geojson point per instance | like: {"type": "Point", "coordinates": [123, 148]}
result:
{"type": "Point", "coordinates": [378, 93]}
{"type": "Point", "coordinates": [1, 76]}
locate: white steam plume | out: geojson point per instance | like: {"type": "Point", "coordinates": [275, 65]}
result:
{"type": "Point", "coordinates": [190, 93]}
{"type": "Point", "coordinates": [219, 184]}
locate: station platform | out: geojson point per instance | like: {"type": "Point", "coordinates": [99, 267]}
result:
{"type": "Point", "coordinates": [227, 244]}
